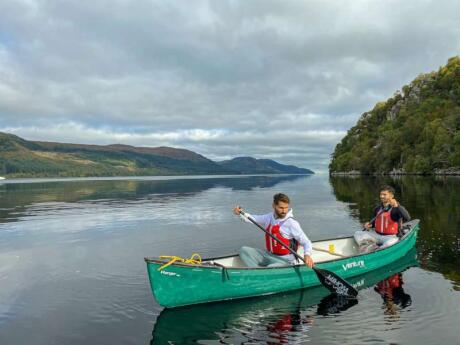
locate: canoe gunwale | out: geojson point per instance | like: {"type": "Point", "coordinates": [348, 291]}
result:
{"type": "Point", "coordinates": [150, 260]}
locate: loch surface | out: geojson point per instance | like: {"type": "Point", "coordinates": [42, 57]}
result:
{"type": "Point", "coordinates": [72, 268]}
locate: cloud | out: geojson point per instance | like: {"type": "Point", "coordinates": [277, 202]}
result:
{"type": "Point", "coordinates": [273, 79]}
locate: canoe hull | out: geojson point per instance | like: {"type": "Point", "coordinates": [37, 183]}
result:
{"type": "Point", "coordinates": [179, 285]}
{"type": "Point", "coordinates": [180, 325]}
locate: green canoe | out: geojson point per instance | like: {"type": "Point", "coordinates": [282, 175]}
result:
{"type": "Point", "coordinates": [224, 278]}
{"type": "Point", "coordinates": [206, 323]}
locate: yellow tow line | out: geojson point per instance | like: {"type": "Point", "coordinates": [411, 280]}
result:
{"type": "Point", "coordinates": [195, 259]}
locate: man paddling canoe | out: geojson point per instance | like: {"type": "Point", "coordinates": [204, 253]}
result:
{"type": "Point", "coordinates": [384, 229]}
{"type": "Point", "coordinates": [284, 227]}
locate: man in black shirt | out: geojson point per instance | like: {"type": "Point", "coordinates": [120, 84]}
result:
{"type": "Point", "coordinates": [384, 228]}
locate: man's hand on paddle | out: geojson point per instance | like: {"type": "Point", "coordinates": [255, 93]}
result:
{"type": "Point", "coordinates": [308, 261]}
{"type": "Point", "coordinates": [237, 210]}
{"type": "Point", "coordinates": [367, 226]}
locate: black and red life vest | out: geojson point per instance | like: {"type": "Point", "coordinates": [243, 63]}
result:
{"type": "Point", "coordinates": [384, 225]}
{"type": "Point", "coordinates": [273, 246]}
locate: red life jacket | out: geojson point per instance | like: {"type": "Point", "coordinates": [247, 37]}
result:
{"type": "Point", "coordinates": [385, 287]}
{"type": "Point", "coordinates": [283, 325]}
{"type": "Point", "coordinates": [273, 246]}
{"type": "Point", "coordinates": [384, 224]}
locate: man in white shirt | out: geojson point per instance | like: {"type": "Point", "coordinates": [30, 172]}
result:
{"type": "Point", "coordinates": [281, 224]}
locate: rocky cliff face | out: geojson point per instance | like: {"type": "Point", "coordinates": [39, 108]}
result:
{"type": "Point", "coordinates": [416, 131]}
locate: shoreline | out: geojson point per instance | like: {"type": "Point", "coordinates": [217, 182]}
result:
{"type": "Point", "coordinates": [137, 178]}
{"type": "Point", "coordinates": [395, 174]}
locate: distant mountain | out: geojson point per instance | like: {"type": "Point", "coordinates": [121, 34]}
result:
{"type": "Point", "coordinates": [23, 158]}
{"type": "Point", "coordinates": [417, 131]}
{"type": "Point", "coordinates": [249, 165]}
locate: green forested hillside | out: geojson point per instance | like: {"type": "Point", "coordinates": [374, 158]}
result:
{"type": "Point", "coordinates": [415, 131]}
{"type": "Point", "coordinates": [249, 165]}
{"type": "Point", "coordinates": [22, 158]}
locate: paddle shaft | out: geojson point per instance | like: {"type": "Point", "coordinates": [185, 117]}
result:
{"type": "Point", "coordinates": [327, 251]}
{"type": "Point", "coordinates": [272, 236]}
{"type": "Point", "coordinates": [370, 222]}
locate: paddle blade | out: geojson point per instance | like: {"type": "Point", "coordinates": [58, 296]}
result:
{"type": "Point", "coordinates": [335, 304]}
{"type": "Point", "coordinates": [334, 283]}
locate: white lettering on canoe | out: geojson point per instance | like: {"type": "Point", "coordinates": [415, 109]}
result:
{"type": "Point", "coordinates": [353, 264]}
{"type": "Point", "coordinates": [358, 284]}
{"type": "Point", "coordinates": [171, 274]}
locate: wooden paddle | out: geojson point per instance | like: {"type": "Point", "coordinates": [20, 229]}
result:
{"type": "Point", "coordinates": [329, 279]}
{"type": "Point", "coordinates": [327, 251]}
{"type": "Point", "coordinates": [370, 222]}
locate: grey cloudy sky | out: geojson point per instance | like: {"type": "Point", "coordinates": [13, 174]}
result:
{"type": "Point", "coordinates": [270, 79]}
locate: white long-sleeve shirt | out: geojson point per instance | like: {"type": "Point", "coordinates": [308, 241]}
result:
{"type": "Point", "coordinates": [289, 228]}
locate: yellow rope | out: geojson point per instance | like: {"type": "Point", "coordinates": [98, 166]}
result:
{"type": "Point", "coordinates": [195, 259]}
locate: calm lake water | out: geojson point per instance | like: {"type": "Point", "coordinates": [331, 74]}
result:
{"type": "Point", "coordinates": [72, 268]}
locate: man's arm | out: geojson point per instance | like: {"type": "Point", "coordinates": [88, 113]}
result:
{"type": "Point", "coordinates": [399, 212]}
{"type": "Point", "coordinates": [299, 235]}
{"type": "Point", "coordinates": [403, 214]}
{"type": "Point", "coordinates": [263, 219]}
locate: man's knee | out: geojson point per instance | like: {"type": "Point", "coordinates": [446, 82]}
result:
{"type": "Point", "coordinates": [389, 242]}
{"type": "Point", "coordinates": [245, 249]}
{"type": "Point", "coordinates": [358, 235]}
{"type": "Point", "coordinates": [250, 256]}
{"type": "Point", "coordinates": [362, 236]}
{"type": "Point", "coordinates": [392, 240]}
{"type": "Point", "coordinates": [248, 250]}
{"type": "Point", "coordinates": [253, 253]}
{"type": "Point", "coordinates": [278, 264]}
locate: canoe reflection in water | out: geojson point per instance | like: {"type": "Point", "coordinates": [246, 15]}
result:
{"type": "Point", "coordinates": [276, 319]}
{"type": "Point", "coordinates": [282, 330]}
